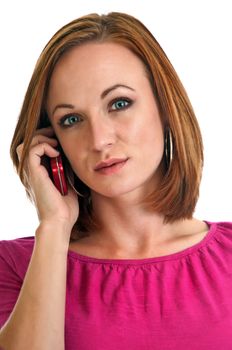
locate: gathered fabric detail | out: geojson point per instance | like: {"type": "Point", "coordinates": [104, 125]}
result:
{"type": "Point", "coordinates": [178, 301]}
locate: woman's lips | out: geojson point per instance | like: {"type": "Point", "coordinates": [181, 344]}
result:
{"type": "Point", "coordinates": [108, 162]}
{"type": "Point", "coordinates": [113, 168]}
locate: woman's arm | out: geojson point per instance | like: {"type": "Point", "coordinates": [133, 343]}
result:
{"type": "Point", "coordinates": [37, 320]}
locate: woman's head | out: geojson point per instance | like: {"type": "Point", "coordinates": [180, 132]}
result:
{"type": "Point", "coordinates": [176, 193]}
{"type": "Point", "coordinates": [103, 109]}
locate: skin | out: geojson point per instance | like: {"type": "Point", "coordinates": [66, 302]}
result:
{"type": "Point", "coordinates": [125, 123]}
{"type": "Point", "coordinates": [128, 229]}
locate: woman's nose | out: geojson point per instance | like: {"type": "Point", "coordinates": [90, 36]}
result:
{"type": "Point", "coordinates": [102, 134]}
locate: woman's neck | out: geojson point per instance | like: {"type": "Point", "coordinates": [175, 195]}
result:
{"type": "Point", "coordinates": [133, 230]}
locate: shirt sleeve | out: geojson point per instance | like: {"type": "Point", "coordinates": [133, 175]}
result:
{"type": "Point", "coordinates": [10, 283]}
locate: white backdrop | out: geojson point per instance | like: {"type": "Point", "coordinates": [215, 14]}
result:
{"type": "Point", "coordinates": [195, 34]}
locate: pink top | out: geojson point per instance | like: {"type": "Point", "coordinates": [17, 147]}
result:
{"type": "Point", "coordinates": [175, 302]}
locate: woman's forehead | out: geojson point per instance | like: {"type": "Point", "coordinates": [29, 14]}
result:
{"type": "Point", "coordinates": [93, 68]}
{"type": "Point", "coordinates": [98, 58]}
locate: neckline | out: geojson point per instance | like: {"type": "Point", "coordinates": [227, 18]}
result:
{"type": "Point", "coordinates": [173, 256]}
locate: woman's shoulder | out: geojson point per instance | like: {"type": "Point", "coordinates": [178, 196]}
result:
{"type": "Point", "coordinates": [22, 244]}
{"type": "Point", "coordinates": [222, 226]}
{"type": "Point", "coordinates": [221, 234]}
{"type": "Point", "coordinates": [219, 229]}
{"type": "Point", "coordinates": [15, 254]}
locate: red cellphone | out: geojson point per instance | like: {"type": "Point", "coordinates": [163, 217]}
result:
{"type": "Point", "coordinates": [59, 175]}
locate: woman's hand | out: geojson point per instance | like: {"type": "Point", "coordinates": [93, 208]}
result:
{"type": "Point", "coordinates": [51, 205]}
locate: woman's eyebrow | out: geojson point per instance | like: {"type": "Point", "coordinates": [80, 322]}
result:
{"type": "Point", "coordinates": [111, 88]}
{"type": "Point", "coordinates": [62, 105]}
{"type": "Point", "coordinates": [103, 95]}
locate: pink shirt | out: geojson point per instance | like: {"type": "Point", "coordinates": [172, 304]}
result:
{"type": "Point", "coordinates": [181, 301]}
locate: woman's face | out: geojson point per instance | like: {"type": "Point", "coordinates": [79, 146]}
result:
{"type": "Point", "coordinates": [102, 108]}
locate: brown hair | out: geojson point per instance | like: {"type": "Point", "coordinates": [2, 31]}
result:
{"type": "Point", "coordinates": [178, 191]}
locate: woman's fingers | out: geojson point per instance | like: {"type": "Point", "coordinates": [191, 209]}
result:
{"type": "Point", "coordinates": [48, 200]}
{"type": "Point", "coordinates": [38, 151]}
{"type": "Point", "coordinates": [41, 136]}
{"type": "Point", "coordinates": [41, 145]}
{"type": "Point", "coordinates": [42, 139]}
{"type": "Point", "coordinates": [49, 131]}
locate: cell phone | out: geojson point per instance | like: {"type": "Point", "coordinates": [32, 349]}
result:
{"type": "Point", "coordinates": [58, 174]}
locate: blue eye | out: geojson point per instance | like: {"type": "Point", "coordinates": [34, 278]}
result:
{"type": "Point", "coordinates": [69, 120]}
{"type": "Point", "coordinates": [121, 103]}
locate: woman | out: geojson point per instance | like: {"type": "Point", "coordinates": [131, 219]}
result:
{"type": "Point", "coordinates": [118, 262]}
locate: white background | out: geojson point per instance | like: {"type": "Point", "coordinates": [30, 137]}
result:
{"type": "Point", "coordinates": [197, 37]}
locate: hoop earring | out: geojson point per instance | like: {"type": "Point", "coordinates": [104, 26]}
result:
{"type": "Point", "coordinates": [74, 189]}
{"type": "Point", "coordinates": [168, 146]}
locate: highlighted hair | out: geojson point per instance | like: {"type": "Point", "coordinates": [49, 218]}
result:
{"type": "Point", "coordinates": [178, 190]}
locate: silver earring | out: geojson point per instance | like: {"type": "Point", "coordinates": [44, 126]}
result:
{"type": "Point", "coordinates": [168, 147]}
{"type": "Point", "coordinates": [74, 189]}
{"type": "Point", "coordinates": [73, 181]}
